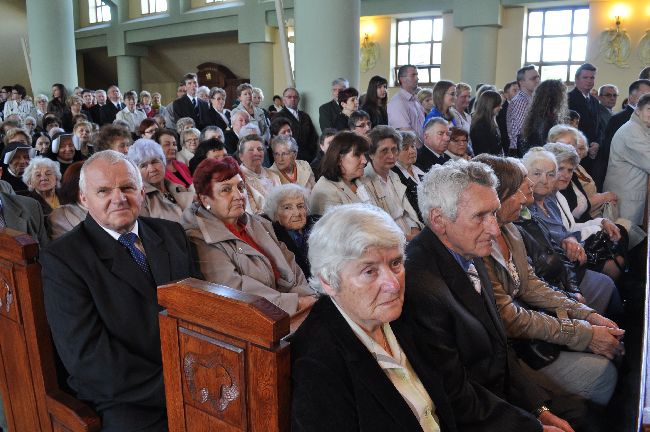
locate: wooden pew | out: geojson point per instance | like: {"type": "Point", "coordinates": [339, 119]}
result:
{"type": "Point", "coordinates": [33, 401]}
{"type": "Point", "coordinates": [225, 362]}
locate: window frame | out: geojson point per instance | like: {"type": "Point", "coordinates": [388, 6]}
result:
{"type": "Point", "coordinates": [149, 11]}
{"type": "Point", "coordinates": [432, 41]}
{"type": "Point", "coordinates": [94, 7]}
{"type": "Point", "coordinates": [568, 63]}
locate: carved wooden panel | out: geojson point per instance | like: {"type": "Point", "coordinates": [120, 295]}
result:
{"type": "Point", "coordinates": [8, 295]}
{"type": "Point", "coordinates": [213, 376]}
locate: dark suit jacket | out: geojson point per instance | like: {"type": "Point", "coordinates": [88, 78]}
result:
{"type": "Point", "coordinates": [103, 312]}
{"type": "Point", "coordinates": [337, 385]}
{"type": "Point", "coordinates": [458, 327]}
{"type": "Point", "coordinates": [304, 133]}
{"type": "Point", "coordinates": [96, 114]}
{"type": "Point", "coordinates": [182, 107]}
{"type": "Point", "coordinates": [327, 114]}
{"type": "Point", "coordinates": [589, 125]}
{"type": "Point", "coordinates": [426, 159]}
{"type": "Point", "coordinates": [215, 119]}
{"type": "Point", "coordinates": [108, 112]}
{"type": "Point", "coordinates": [26, 215]}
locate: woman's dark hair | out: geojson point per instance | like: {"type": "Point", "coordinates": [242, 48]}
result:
{"type": "Point", "coordinates": [277, 123]}
{"type": "Point", "coordinates": [69, 191]}
{"type": "Point", "coordinates": [63, 95]}
{"type": "Point", "coordinates": [49, 120]}
{"type": "Point", "coordinates": [508, 172]}
{"type": "Point", "coordinates": [202, 151]}
{"type": "Point", "coordinates": [343, 143]}
{"type": "Point", "coordinates": [346, 94]}
{"type": "Point", "coordinates": [484, 108]}
{"type": "Point", "coordinates": [210, 170]}
{"type": "Point", "coordinates": [21, 90]}
{"type": "Point", "coordinates": [548, 108]}
{"type": "Point", "coordinates": [455, 132]}
{"type": "Point", "coordinates": [164, 131]}
{"type": "Point", "coordinates": [371, 95]}
{"type": "Point", "coordinates": [146, 124]}
{"type": "Point", "coordinates": [573, 115]}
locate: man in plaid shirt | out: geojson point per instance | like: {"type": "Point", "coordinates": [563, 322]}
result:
{"type": "Point", "coordinates": [528, 80]}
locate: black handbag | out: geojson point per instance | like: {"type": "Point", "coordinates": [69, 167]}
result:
{"type": "Point", "coordinates": [599, 248]}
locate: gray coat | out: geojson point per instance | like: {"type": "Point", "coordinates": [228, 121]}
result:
{"type": "Point", "coordinates": [628, 168]}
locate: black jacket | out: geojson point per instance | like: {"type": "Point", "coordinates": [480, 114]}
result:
{"type": "Point", "coordinates": [426, 159]}
{"type": "Point", "coordinates": [299, 250]}
{"type": "Point", "coordinates": [463, 337]}
{"type": "Point", "coordinates": [304, 133]}
{"type": "Point", "coordinates": [182, 107]}
{"type": "Point", "coordinates": [103, 310]}
{"type": "Point", "coordinates": [337, 385]}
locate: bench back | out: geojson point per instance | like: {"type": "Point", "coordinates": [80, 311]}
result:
{"type": "Point", "coordinates": [225, 364]}
{"type": "Point", "coordinates": [33, 400]}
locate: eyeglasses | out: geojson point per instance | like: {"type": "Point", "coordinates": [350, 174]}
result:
{"type": "Point", "coordinates": [282, 155]}
{"type": "Point", "coordinates": [610, 94]}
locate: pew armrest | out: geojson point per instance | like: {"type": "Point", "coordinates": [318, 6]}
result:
{"type": "Point", "coordinates": [71, 414]}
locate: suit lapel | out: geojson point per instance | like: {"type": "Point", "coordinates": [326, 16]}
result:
{"type": "Point", "coordinates": [461, 286]}
{"type": "Point", "coordinates": [157, 254]}
{"type": "Point", "coordinates": [118, 260]}
{"type": "Point", "coordinates": [366, 370]}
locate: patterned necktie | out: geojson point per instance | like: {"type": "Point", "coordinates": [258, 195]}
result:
{"type": "Point", "coordinates": [129, 240]}
{"type": "Point", "coordinates": [474, 277]}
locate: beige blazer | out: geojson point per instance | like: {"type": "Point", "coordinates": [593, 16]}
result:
{"type": "Point", "coordinates": [327, 193]}
{"type": "Point", "coordinates": [64, 218]}
{"type": "Point", "coordinates": [305, 177]}
{"type": "Point", "coordinates": [155, 205]}
{"type": "Point", "coordinates": [518, 306]}
{"type": "Point", "coordinates": [225, 259]}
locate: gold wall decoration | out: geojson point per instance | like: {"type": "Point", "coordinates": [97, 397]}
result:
{"type": "Point", "coordinates": [615, 45]}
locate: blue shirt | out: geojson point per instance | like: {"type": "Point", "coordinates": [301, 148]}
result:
{"type": "Point", "coordinates": [435, 113]}
{"type": "Point", "coordinates": [552, 221]}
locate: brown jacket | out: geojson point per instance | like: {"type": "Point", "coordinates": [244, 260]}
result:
{"type": "Point", "coordinates": [156, 205]}
{"type": "Point", "coordinates": [519, 307]}
{"type": "Point", "coordinates": [225, 259]}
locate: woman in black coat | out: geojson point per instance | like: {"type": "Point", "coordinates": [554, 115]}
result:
{"type": "Point", "coordinates": [484, 131]}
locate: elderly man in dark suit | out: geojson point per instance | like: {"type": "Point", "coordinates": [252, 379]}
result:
{"type": "Point", "coordinates": [328, 112]}
{"type": "Point", "coordinates": [190, 105]}
{"type": "Point", "coordinates": [436, 142]}
{"type": "Point", "coordinates": [99, 284]}
{"type": "Point", "coordinates": [581, 101]}
{"type": "Point", "coordinates": [22, 214]}
{"type": "Point", "coordinates": [449, 302]}
{"type": "Point", "coordinates": [112, 106]}
{"type": "Point", "coordinates": [302, 128]}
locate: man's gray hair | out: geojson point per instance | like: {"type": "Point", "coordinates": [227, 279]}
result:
{"type": "Point", "coordinates": [344, 234]}
{"type": "Point", "coordinates": [563, 153]}
{"type": "Point", "coordinates": [112, 157]}
{"type": "Point", "coordinates": [250, 129]}
{"type": "Point", "coordinates": [443, 185]}
{"type": "Point", "coordinates": [203, 90]}
{"type": "Point", "coordinates": [37, 162]}
{"type": "Point", "coordinates": [281, 193]}
{"type": "Point", "coordinates": [239, 113]}
{"type": "Point", "coordinates": [207, 129]}
{"type": "Point", "coordinates": [434, 121]}
{"type": "Point", "coordinates": [341, 81]}
{"type": "Point", "coordinates": [144, 150]}
{"type": "Point", "coordinates": [42, 97]}
{"type": "Point", "coordinates": [286, 140]}
{"type": "Point", "coordinates": [602, 88]}
{"type": "Point", "coordinates": [537, 154]}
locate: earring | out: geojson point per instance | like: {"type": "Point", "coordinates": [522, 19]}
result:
{"type": "Point", "coordinates": [208, 207]}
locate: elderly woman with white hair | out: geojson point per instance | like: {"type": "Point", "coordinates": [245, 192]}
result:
{"type": "Point", "coordinates": [569, 135]}
{"type": "Point", "coordinates": [349, 354]}
{"type": "Point", "coordinates": [532, 310]}
{"type": "Point", "coordinates": [161, 197]}
{"type": "Point", "coordinates": [598, 289]}
{"type": "Point", "coordinates": [287, 208]}
{"type": "Point", "coordinates": [43, 177]}
{"type": "Point", "coordinates": [286, 166]}
{"type": "Point", "coordinates": [189, 140]}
